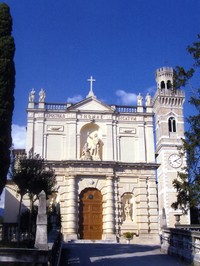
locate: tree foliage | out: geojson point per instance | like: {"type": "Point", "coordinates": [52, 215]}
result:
{"type": "Point", "coordinates": [7, 84]}
{"type": "Point", "coordinates": [31, 175]}
{"type": "Point", "coordinates": [188, 182]}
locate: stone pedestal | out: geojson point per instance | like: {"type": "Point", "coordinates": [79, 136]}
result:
{"type": "Point", "coordinates": [41, 230]}
{"type": "Point", "coordinates": [41, 105]}
{"type": "Point", "coordinates": [31, 105]}
{"type": "Point", "coordinates": [129, 226]}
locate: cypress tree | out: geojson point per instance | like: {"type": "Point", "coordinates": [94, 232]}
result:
{"type": "Point", "coordinates": [7, 84]}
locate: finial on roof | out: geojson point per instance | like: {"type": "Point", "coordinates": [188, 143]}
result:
{"type": "Point", "coordinates": [91, 93]}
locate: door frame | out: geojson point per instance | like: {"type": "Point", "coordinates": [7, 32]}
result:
{"type": "Point", "coordinates": [89, 199]}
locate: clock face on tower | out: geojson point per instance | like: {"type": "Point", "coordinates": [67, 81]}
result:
{"type": "Point", "coordinates": [175, 160]}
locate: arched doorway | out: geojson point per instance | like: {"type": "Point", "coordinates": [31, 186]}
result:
{"type": "Point", "coordinates": [90, 214]}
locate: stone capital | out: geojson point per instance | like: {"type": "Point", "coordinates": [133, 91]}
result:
{"type": "Point", "coordinates": [109, 177]}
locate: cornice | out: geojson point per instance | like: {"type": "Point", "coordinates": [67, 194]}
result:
{"type": "Point", "coordinates": [103, 164]}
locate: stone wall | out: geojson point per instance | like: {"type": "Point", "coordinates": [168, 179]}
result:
{"type": "Point", "coordinates": [183, 243]}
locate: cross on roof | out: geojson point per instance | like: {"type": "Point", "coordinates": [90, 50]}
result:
{"type": "Point", "coordinates": [91, 93]}
{"type": "Point", "coordinates": [91, 80]}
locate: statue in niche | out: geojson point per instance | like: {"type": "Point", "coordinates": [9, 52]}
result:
{"type": "Point", "coordinates": [86, 153]}
{"type": "Point", "coordinates": [32, 96]}
{"type": "Point", "coordinates": [42, 95]}
{"type": "Point", "coordinates": [127, 211]}
{"type": "Point", "coordinates": [94, 144]}
{"type": "Point", "coordinates": [91, 149]}
{"type": "Point", "coordinates": [139, 100]}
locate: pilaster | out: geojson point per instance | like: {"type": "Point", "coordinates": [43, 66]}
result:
{"type": "Point", "coordinates": [30, 131]}
{"type": "Point", "coordinates": [109, 153]}
{"type": "Point", "coordinates": [71, 223]}
{"type": "Point", "coordinates": [109, 230]}
{"type": "Point", "coordinates": [141, 143]}
{"type": "Point", "coordinates": [115, 142]}
{"type": "Point", "coordinates": [72, 142]}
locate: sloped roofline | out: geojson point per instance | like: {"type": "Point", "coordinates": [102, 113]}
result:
{"type": "Point", "coordinates": [87, 100]}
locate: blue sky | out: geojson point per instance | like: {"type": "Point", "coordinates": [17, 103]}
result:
{"type": "Point", "coordinates": [60, 44]}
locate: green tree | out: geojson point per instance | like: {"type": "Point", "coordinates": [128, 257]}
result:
{"type": "Point", "coordinates": [188, 182]}
{"type": "Point", "coordinates": [31, 175]}
{"type": "Point", "coordinates": [7, 84]}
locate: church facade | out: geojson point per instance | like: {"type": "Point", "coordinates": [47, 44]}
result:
{"type": "Point", "coordinates": [107, 161]}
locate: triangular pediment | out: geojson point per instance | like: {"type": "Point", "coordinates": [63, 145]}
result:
{"type": "Point", "coordinates": [90, 104]}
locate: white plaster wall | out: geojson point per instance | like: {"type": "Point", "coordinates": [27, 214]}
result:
{"type": "Point", "coordinates": [54, 147]}
{"type": "Point", "coordinates": [59, 136]}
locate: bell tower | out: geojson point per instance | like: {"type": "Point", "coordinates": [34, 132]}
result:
{"type": "Point", "coordinates": [169, 125]}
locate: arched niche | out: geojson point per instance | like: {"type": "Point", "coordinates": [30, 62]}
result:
{"type": "Point", "coordinates": [128, 207]}
{"type": "Point", "coordinates": [91, 144]}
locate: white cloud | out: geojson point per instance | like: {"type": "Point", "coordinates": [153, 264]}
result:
{"type": "Point", "coordinates": [126, 98]}
{"type": "Point", "coordinates": [151, 90]}
{"type": "Point", "coordinates": [75, 99]}
{"type": "Point", "coordinates": [19, 136]}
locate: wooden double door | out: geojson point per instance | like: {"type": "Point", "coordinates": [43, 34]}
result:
{"type": "Point", "coordinates": [90, 214]}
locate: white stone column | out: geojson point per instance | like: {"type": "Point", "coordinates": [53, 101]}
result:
{"type": "Point", "coordinates": [72, 148]}
{"type": "Point", "coordinates": [63, 154]}
{"type": "Point", "coordinates": [115, 144]}
{"type": "Point", "coordinates": [78, 153]}
{"type": "Point", "coordinates": [118, 149]}
{"type": "Point", "coordinates": [150, 151]}
{"type": "Point", "coordinates": [72, 213]}
{"type": "Point", "coordinates": [39, 135]}
{"type": "Point", "coordinates": [109, 155]}
{"type": "Point", "coordinates": [30, 131]}
{"type": "Point", "coordinates": [45, 147]}
{"type": "Point", "coordinates": [140, 152]}
{"type": "Point", "coordinates": [109, 231]}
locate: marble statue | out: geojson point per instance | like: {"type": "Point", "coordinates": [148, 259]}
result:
{"type": "Point", "coordinates": [42, 95]}
{"type": "Point", "coordinates": [32, 96]}
{"type": "Point", "coordinates": [127, 211]}
{"type": "Point", "coordinates": [94, 146]}
{"type": "Point", "coordinates": [91, 149]}
{"type": "Point", "coordinates": [148, 99]}
{"type": "Point", "coordinates": [139, 100]}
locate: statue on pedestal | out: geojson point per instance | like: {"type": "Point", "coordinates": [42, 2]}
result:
{"type": "Point", "coordinates": [139, 100]}
{"type": "Point", "coordinates": [148, 99]}
{"type": "Point", "coordinates": [32, 96]}
{"type": "Point", "coordinates": [42, 95]}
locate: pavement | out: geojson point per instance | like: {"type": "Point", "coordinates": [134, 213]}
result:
{"type": "Point", "coordinates": [116, 255]}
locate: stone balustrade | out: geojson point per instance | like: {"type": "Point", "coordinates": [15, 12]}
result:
{"type": "Point", "coordinates": [183, 243]}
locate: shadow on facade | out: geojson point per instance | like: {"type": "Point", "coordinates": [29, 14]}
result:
{"type": "Point", "coordinates": [182, 241]}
